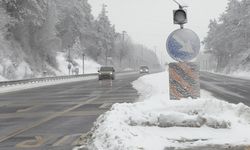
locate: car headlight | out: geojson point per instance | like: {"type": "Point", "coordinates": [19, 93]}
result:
{"type": "Point", "coordinates": [111, 72]}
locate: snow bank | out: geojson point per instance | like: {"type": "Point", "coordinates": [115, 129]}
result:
{"type": "Point", "coordinates": [2, 79]}
{"type": "Point", "coordinates": [19, 87]}
{"type": "Point", "coordinates": [155, 122]}
{"type": "Point", "coordinates": [241, 74]}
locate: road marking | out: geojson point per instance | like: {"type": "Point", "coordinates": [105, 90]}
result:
{"type": "Point", "coordinates": [26, 109]}
{"type": "Point", "coordinates": [66, 140]}
{"type": "Point", "coordinates": [45, 120]}
{"type": "Point", "coordinates": [32, 143]}
{"type": "Point", "coordinates": [62, 140]}
{"type": "Point", "coordinates": [84, 113]}
{"type": "Point", "coordinates": [105, 105]}
{"type": "Point", "coordinates": [15, 133]}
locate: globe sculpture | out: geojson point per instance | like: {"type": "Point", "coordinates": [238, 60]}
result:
{"type": "Point", "coordinates": [183, 45]}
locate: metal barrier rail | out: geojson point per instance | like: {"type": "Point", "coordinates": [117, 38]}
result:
{"type": "Point", "coordinates": [45, 79]}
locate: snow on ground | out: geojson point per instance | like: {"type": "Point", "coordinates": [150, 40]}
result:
{"type": "Point", "coordinates": [237, 74]}
{"type": "Point", "coordinates": [155, 122]}
{"type": "Point", "coordinates": [90, 66]}
{"type": "Point", "coordinates": [128, 69]}
{"type": "Point", "coordinates": [13, 70]}
{"type": "Point", "coordinates": [241, 74]}
{"type": "Point", "coordinates": [23, 70]}
{"type": "Point", "coordinates": [2, 79]}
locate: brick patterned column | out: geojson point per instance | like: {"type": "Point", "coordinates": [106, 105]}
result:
{"type": "Point", "coordinates": [184, 80]}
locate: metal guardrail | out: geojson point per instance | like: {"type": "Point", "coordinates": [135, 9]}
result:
{"type": "Point", "coordinates": [45, 79]}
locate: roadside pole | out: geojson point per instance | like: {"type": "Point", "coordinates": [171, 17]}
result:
{"type": "Point", "coordinates": [69, 60]}
{"type": "Point", "coordinates": [69, 68]}
{"type": "Point", "coordinates": [83, 55]}
{"type": "Point", "coordinates": [183, 45]}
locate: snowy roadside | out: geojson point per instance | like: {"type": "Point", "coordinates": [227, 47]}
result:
{"type": "Point", "coordinates": [2, 78]}
{"type": "Point", "coordinates": [19, 87]}
{"type": "Point", "coordinates": [90, 67]}
{"type": "Point", "coordinates": [155, 122]}
{"type": "Point", "coordinates": [237, 74]}
{"type": "Point", "coordinates": [241, 74]}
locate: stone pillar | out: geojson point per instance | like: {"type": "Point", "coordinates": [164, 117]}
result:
{"type": "Point", "coordinates": [184, 80]}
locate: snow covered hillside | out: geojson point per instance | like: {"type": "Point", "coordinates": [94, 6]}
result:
{"type": "Point", "coordinates": [90, 66]}
{"type": "Point", "coordinates": [15, 71]}
{"type": "Point", "coordinates": [32, 32]}
{"type": "Point", "coordinates": [23, 70]}
{"type": "Point", "coordinates": [155, 122]}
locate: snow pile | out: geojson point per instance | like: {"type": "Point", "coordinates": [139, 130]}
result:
{"type": "Point", "coordinates": [90, 66]}
{"type": "Point", "coordinates": [158, 123]}
{"type": "Point", "coordinates": [241, 74]}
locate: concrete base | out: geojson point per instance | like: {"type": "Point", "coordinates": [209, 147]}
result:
{"type": "Point", "coordinates": [184, 80]}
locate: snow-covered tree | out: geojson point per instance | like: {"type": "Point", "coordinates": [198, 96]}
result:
{"type": "Point", "coordinates": [229, 38]}
{"type": "Point", "coordinates": [106, 34]}
{"type": "Point", "coordinates": [33, 31]}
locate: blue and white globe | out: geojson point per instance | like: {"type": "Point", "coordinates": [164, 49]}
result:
{"type": "Point", "coordinates": [183, 45]}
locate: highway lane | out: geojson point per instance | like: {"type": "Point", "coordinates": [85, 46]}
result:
{"type": "Point", "coordinates": [233, 90]}
{"type": "Point", "coordinates": [54, 117]}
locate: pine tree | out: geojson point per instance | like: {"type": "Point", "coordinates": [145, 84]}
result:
{"type": "Point", "coordinates": [229, 39]}
{"type": "Point", "coordinates": [106, 34]}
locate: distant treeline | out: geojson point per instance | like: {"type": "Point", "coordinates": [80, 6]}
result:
{"type": "Point", "coordinates": [34, 30]}
{"type": "Point", "coordinates": [228, 39]}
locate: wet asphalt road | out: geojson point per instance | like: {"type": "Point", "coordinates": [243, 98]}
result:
{"type": "Point", "coordinates": [54, 117]}
{"type": "Point", "coordinates": [233, 90]}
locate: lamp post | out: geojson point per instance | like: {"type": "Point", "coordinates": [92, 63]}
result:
{"type": "Point", "coordinates": [123, 46]}
{"type": "Point", "coordinates": [83, 55]}
{"type": "Point", "coordinates": [69, 61]}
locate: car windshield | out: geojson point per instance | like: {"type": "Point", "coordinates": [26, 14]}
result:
{"type": "Point", "coordinates": [143, 67]}
{"type": "Point", "coordinates": [106, 69]}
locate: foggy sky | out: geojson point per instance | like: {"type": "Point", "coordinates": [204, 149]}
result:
{"type": "Point", "coordinates": [149, 22]}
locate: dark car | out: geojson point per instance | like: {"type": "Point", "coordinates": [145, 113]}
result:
{"type": "Point", "coordinates": [144, 69]}
{"type": "Point", "coordinates": [106, 73]}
